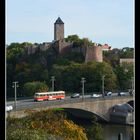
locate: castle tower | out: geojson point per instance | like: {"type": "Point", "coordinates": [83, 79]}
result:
{"type": "Point", "coordinates": [58, 29]}
{"type": "Point", "coordinates": [94, 53]}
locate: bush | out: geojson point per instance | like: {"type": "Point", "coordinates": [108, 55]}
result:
{"type": "Point", "coordinates": [95, 131]}
{"type": "Point", "coordinates": [27, 134]}
{"type": "Point", "coordinates": [30, 88]}
{"type": "Point", "coordinates": [44, 125]}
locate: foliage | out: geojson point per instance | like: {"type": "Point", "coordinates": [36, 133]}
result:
{"type": "Point", "coordinates": [62, 61]}
{"type": "Point", "coordinates": [113, 56]}
{"type": "Point", "coordinates": [24, 68]}
{"type": "Point", "coordinates": [74, 57]}
{"type": "Point", "coordinates": [28, 134]}
{"type": "Point", "coordinates": [15, 51]}
{"type": "Point", "coordinates": [77, 42]}
{"type": "Point", "coordinates": [72, 38]}
{"type": "Point", "coordinates": [44, 124]}
{"type": "Point", "coordinates": [92, 71]}
{"type": "Point", "coordinates": [30, 88]}
{"type": "Point", "coordinates": [68, 68]}
{"type": "Point", "coordinates": [127, 52]}
{"type": "Point", "coordinates": [95, 131]}
{"type": "Point", "coordinates": [29, 72]}
{"type": "Point", "coordinates": [124, 73]}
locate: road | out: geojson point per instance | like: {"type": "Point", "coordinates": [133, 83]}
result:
{"type": "Point", "coordinates": [29, 103]}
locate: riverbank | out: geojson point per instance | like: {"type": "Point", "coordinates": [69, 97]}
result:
{"type": "Point", "coordinates": [110, 131]}
{"type": "Point", "coordinates": [54, 122]}
{"type": "Point", "coordinates": [106, 130]}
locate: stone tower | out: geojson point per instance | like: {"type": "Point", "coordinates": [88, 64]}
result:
{"type": "Point", "coordinates": [58, 29]}
{"type": "Point", "coordinates": [94, 53]}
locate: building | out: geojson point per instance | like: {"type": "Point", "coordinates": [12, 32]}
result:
{"type": "Point", "coordinates": [60, 46]}
{"type": "Point", "coordinates": [106, 47]}
{"type": "Point", "coordinates": [126, 60]}
{"type": "Point", "coordinates": [94, 53]}
{"type": "Point", "coordinates": [58, 29]}
{"type": "Point", "coordinates": [122, 113]}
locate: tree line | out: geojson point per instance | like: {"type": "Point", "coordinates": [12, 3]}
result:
{"type": "Point", "coordinates": [34, 71]}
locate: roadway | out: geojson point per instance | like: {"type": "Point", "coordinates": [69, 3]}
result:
{"type": "Point", "coordinates": [30, 104]}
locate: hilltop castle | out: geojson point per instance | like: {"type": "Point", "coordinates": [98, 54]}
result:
{"type": "Point", "coordinates": [61, 46]}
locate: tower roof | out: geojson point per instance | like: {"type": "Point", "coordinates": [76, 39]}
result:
{"type": "Point", "coordinates": [59, 21]}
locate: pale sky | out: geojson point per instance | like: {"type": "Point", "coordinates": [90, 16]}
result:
{"type": "Point", "coordinates": [102, 21]}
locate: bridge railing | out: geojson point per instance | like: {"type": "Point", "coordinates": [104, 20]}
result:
{"type": "Point", "coordinates": [61, 102]}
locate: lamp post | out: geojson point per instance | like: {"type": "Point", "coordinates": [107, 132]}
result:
{"type": "Point", "coordinates": [83, 88]}
{"type": "Point", "coordinates": [103, 85]}
{"type": "Point", "coordinates": [15, 85]}
{"type": "Point", "coordinates": [52, 79]}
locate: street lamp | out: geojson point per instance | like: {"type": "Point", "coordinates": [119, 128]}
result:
{"type": "Point", "coordinates": [15, 85]}
{"type": "Point", "coordinates": [52, 79]}
{"type": "Point", "coordinates": [103, 85]}
{"type": "Point", "coordinates": [83, 81]}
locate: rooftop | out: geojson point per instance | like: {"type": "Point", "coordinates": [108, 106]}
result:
{"type": "Point", "coordinates": [59, 21]}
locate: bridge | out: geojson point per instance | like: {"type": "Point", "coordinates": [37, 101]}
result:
{"type": "Point", "coordinates": [85, 108]}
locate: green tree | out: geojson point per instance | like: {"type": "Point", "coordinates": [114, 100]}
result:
{"type": "Point", "coordinates": [14, 52]}
{"type": "Point", "coordinates": [77, 42]}
{"type": "Point", "coordinates": [127, 52]}
{"type": "Point", "coordinates": [30, 88]}
{"type": "Point", "coordinates": [124, 73]}
{"type": "Point", "coordinates": [69, 77]}
{"type": "Point", "coordinates": [72, 38]}
{"type": "Point", "coordinates": [95, 131]}
{"type": "Point", "coordinates": [112, 57]}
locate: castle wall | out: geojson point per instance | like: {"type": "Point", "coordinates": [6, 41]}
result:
{"type": "Point", "coordinates": [64, 47]}
{"type": "Point", "coordinates": [45, 46]}
{"type": "Point", "coordinates": [31, 49]}
{"type": "Point", "coordinates": [94, 53]}
{"type": "Point", "coordinates": [60, 46]}
{"type": "Point", "coordinates": [79, 50]}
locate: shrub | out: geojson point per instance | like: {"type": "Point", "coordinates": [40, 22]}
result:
{"type": "Point", "coordinates": [47, 125]}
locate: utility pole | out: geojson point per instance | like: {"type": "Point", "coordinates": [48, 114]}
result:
{"type": "Point", "coordinates": [83, 88]}
{"type": "Point", "coordinates": [103, 85]}
{"type": "Point", "coordinates": [15, 85]}
{"type": "Point", "coordinates": [52, 79]}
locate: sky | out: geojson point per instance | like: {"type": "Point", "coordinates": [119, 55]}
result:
{"type": "Point", "coordinates": [102, 21]}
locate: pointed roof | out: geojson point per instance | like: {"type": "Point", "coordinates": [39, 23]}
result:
{"type": "Point", "coordinates": [59, 21]}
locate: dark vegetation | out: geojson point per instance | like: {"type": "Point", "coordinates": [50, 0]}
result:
{"type": "Point", "coordinates": [50, 125]}
{"type": "Point", "coordinates": [34, 71]}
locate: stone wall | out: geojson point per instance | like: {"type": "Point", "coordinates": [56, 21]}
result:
{"type": "Point", "coordinates": [64, 47]}
{"type": "Point", "coordinates": [58, 31]}
{"type": "Point", "coordinates": [100, 107]}
{"type": "Point", "coordinates": [94, 53]}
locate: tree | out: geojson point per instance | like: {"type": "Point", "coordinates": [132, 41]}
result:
{"type": "Point", "coordinates": [30, 88]}
{"type": "Point", "coordinates": [95, 131]}
{"type": "Point", "coordinates": [72, 38]}
{"type": "Point", "coordinates": [112, 57]}
{"type": "Point", "coordinates": [127, 52]}
{"type": "Point", "coordinates": [14, 52]}
{"type": "Point", "coordinates": [69, 77]}
{"type": "Point", "coordinates": [124, 73]}
{"type": "Point", "coordinates": [77, 42]}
